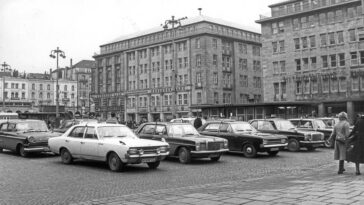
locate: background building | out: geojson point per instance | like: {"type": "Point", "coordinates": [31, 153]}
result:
{"type": "Point", "coordinates": [160, 73]}
{"type": "Point", "coordinates": [313, 51]}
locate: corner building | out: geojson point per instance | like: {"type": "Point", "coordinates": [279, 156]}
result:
{"type": "Point", "coordinates": [313, 51]}
{"type": "Point", "coordinates": [157, 73]}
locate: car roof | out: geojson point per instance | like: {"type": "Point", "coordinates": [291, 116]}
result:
{"type": "Point", "coordinates": [270, 119]}
{"type": "Point", "coordinates": [22, 120]}
{"type": "Point", "coordinates": [227, 121]}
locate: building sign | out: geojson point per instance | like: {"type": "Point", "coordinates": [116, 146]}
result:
{"type": "Point", "coordinates": [107, 95]}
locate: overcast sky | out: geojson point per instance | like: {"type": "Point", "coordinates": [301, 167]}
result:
{"type": "Point", "coordinates": [30, 29]}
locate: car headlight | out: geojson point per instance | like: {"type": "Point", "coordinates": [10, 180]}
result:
{"type": "Point", "coordinates": [265, 141]}
{"type": "Point", "coordinates": [202, 146]}
{"type": "Point", "coordinates": [283, 140]}
{"type": "Point", "coordinates": [132, 151]}
{"type": "Point", "coordinates": [163, 149]}
{"type": "Point", "coordinates": [225, 144]}
{"type": "Point", "coordinates": [307, 136]}
{"type": "Point", "coordinates": [31, 139]}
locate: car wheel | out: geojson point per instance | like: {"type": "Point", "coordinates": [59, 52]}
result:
{"type": "Point", "coordinates": [66, 156]}
{"type": "Point", "coordinates": [272, 153]}
{"type": "Point", "coordinates": [310, 148]}
{"type": "Point", "coordinates": [249, 151]}
{"type": "Point", "coordinates": [293, 145]}
{"type": "Point", "coordinates": [115, 164]}
{"type": "Point", "coordinates": [215, 159]}
{"type": "Point", "coordinates": [22, 151]}
{"type": "Point", "coordinates": [154, 165]}
{"type": "Point", "coordinates": [184, 155]}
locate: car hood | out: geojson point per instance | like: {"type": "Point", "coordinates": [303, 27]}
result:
{"type": "Point", "coordinates": [40, 136]}
{"type": "Point", "coordinates": [136, 142]}
{"type": "Point", "coordinates": [203, 138]}
{"type": "Point", "coordinates": [261, 135]}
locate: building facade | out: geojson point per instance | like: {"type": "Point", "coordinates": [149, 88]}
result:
{"type": "Point", "coordinates": [16, 94]}
{"type": "Point", "coordinates": [313, 51]}
{"type": "Point", "coordinates": [161, 74]}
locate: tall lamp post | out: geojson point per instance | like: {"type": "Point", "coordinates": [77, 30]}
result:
{"type": "Point", "coordinates": [5, 67]}
{"type": "Point", "coordinates": [175, 23]}
{"type": "Point", "coordinates": [55, 54]}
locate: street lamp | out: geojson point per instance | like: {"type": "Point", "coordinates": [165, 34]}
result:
{"type": "Point", "coordinates": [55, 54]}
{"type": "Point", "coordinates": [5, 67]}
{"type": "Point", "coordinates": [175, 23]}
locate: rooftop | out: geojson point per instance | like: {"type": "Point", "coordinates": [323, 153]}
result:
{"type": "Point", "coordinates": [85, 64]}
{"type": "Point", "coordinates": [188, 21]}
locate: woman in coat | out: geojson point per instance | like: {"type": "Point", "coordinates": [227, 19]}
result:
{"type": "Point", "coordinates": [340, 131]}
{"type": "Point", "coordinates": [356, 154]}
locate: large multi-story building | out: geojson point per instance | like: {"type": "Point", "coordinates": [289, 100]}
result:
{"type": "Point", "coordinates": [313, 51]}
{"type": "Point", "coordinates": [160, 73]}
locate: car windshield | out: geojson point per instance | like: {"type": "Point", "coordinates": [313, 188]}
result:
{"type": "Point", "coordinates": [284, 125]}
{"type": "Point", "coordinates": [320, 124]}
{"type": "Point", "coordinates": [242, 127]}
{"type": "Point", "coordinates": [115, 131]}
{"type": "Point", "coordinates": [38, 126]}
{"type": "Point", "coordinates": [182, 130]}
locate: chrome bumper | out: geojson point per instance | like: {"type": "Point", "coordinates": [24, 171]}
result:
{"type": "Point", "coordinates": [209, 151]}
{"type": "Point", "coordinates": [273, 145]}
{"type": "Point", "coordinates": [36, 149]}
{"type": "Point", "coordinates": [312, 142]}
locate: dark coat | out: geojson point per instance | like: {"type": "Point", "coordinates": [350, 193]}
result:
{"type": "Point", "coordinates": [197, 123]}
{"type": "Point", "coordinates": [357, 140]}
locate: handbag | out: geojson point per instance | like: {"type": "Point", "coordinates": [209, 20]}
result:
{"type": "Point", "coordinates": [350, 148]}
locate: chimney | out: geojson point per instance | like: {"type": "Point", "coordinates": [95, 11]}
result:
{"type": "Point", "coordinates": [50, 73]}
{"type": "Point", "coordinates": [199, 10]}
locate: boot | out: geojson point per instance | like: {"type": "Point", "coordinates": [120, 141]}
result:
{"type": "Point", "coordinates": [357, 166]}
{"type": "Point", "coordinates": [341, 167]}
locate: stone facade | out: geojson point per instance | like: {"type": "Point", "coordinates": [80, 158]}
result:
{"type": "Point", "coordinates": [313, 50]}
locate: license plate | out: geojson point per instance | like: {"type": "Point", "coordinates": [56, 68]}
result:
{"type": "Point", "coordinates": [214, 155]}
{"type": "Point", "coordinates": [149, 160]}
{"type": "Point", "coordinates": [274, 149]}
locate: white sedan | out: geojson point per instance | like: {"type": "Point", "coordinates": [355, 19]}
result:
{"type": "Point", "coordinates": [113, 143]}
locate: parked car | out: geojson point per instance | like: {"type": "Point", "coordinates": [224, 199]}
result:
{"type": "Point", "coordinates": [184, 140]}
{"type": "Point", "coordinates": [189, 120]}
{"type": "Point", "coordinates": [25, 136]}
{"type": "Point", "coordinates": [113, 143]}
{"type": "Point", "coordinates": [296, 138]}
{"type": "Point", "coordinates": [308, 124]}
{"type": "Point", "coordinates": [66, 124]}
{"type": "Point", "coordinates": [329, 121]}
{"type": "Point", "coordinates": [242, 137]}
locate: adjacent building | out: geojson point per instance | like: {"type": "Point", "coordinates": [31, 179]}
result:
{"type": "Point", "coordinates": [313, 52]}
{"type": "Point", "coordinates": [165, 73]}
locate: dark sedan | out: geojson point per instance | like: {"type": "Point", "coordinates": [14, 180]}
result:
{"type": "Point", "coordinates": [184, 140]}
{"type": "Point", "coordinates": [296, 138]}
{"type": "Point", "coordinates": [25, 136]}
{"type": "Point", "coordinates": [242, 137]}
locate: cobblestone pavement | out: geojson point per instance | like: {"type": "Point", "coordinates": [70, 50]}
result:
{"type": "Point", "coordinates": [316, 186]}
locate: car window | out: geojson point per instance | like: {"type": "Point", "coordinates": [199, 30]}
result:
{"type": "Point", "coordinates": [255, 124]}
{"type": "Point", "coordinates": [306, 124]}
{"type": "Point", "coordinates": [90, 133]}
{"type": "Point", "coordinates": [148, 129]}
{"type": "Point", "coordinates": [295, 122]}
{"type": "Point", "coordinates": [320, 124]}
{"type": "Point", "coordinates": [242, 127]}
{"type": "Point", "coordinates": [4, 127]}
{"type": "Point", "coordinates": [115, 132]}
{"type": "Point", "coordinates": [213, 127]}
{"type": "Point", "coordinates": [77, 132]}
{"type": "Point", "coordinates": [225, 127]}
{"type": "Point", "coordinates": [11, 126]}
{"type": "Point", "coordinates": [160, 129]}
{"type": "Point", "coordinates": [265, 125]}
{"type": "Point", "coordinates": [182, 130]}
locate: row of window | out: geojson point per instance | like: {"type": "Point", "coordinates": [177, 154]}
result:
{"type": "Point", "coordinates": [15, 85]}
{"type": "Point", "coordinates": [323, 18]}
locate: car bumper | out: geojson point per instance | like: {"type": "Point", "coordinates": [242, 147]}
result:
{"type": "Point", "coordinates": [273, 145]}
{"type": "Point", "coordinates": [36, 149]}
{"type": "Point", "coordinates": [137, 159]}
{"type": "Point", "coordinates": [312, 143]}
{"type": "Point", "coordinates": [208, 153]}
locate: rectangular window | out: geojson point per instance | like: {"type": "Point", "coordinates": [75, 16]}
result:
{"type": "Point", "coordinates": [214, 43]}
{"type": "Point", "coordinates": [353, 58]}
{"type": "Point", "coordinates": [305, 63]}
{"type": "Point", "coordinates": [352, 35]}
{"type": "Point", "coordinates": [274, 28]}
{"type": "Point", "coordinates": [314, 86]}
{"type": "Point", "coordinates": [341, 59]}
{"type": "Point", "coordinates": [361, 57]}
{"type": "Point", "coordinates": [304, 22]}
{"type": "Point", "coordinates": [355, 83]}
{"type": "Point", "coordinates": [197, 43]}
{"type": "Point", "coordinates": [275, 68]}
{"type": "Point", "coordinates": [325, 64]}
{"type": "Point", "coordinates": [215, 78]}
{"type": "Point", "coordinates": [312, 41]}
{"type": "Point", "coordinates": [322, 18]}
{"type": "Point", "coordinates": [296, 43]}
{"type": "Point", "coordinates": [331, 38]}
{"type": "Point", "coordinates": [325, 85]}
{"type": "Point", "coordinates": [275, 47]}
{"type": "Point", "coordinates": [198, 60]}
{"type": "Point", "coordinates": [296, 24]}
{"type": "Point", "coordinates": [214, 60]}
{"type": "Point", "coordinates": [304, 42]}
{"type": "Point", "coordinates": [283, 66]}
{"type": "Point", "coordinates": [298, 64]}
{"type": "Point", "coordinates": [333, 60]}
{"type": "Point", "coordinates": [306, 86]}
{"type": "Point", "coordinates": [340, 37]}
{"type": "Point", "coordinates": [199, 98]}
{"type": "Point", "coordinates": [334, 84]}
{"type": "Point", "coordinates": [323, 39]}
{"type": "Point", "coordinates": [281, 46]}
{"type": "Point", "coordinates": [298, 87]}
{"type": "Point", "coordinates": [313, 62]}
{"type": "Point", "coordinates": [342, 84]}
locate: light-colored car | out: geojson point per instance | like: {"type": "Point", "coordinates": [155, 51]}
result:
{"type": "Point", "coordinates": [113, 143]}
{"type": "Point", "coordinates": [189, 120]}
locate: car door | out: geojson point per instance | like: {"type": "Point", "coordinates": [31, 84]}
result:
{"type": "Point", "coordinates": [74, 139]}
{"type": "Point", "coordinates": [225, 131]}
{"type": "Point", "coordinates": [266, 126]}
{"type": "Point", "coordinates": [147, 132]}
{"type": "Point", "coordinates": [90, 144]}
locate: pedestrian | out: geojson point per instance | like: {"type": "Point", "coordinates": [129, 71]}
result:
{"type": "Point", "coordinates": [112, 119]}
{"type": "Point", "coordinates": [340, 134]}
{"type": "Point", "coordinates": [197, 123]}
{"type": "Point", "coordinates": [356, 152]}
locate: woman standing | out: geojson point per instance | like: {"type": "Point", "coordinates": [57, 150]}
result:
{"type": "Point", "coordinates": [356, 155]}
{"type": "Point", "coordinates": [340, 133]}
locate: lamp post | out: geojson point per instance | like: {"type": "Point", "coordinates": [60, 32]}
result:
{"type": "Point", "coordinates": [5, 67]}
{"type": "Point", "coordinates": [55, 54]}
{"type": "Point", "coordinates": [175, 23]}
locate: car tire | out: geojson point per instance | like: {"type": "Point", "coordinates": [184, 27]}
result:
{"type": "Point", "coordinates": [66, 156]}
{"type": "Point", "coordinates": [215, 159]}
{"type": "Point", "coordinates": [184, 155]}
{"type": "Point", "coordinates": [153, 165]}
{"type": "Point", "coordinates": [293, 145]}
{"type": "Point", "coordinates": [115, 163]}
{"type": "Point", "coordinates": [249, 151]}
{"type": "Point", "coordinates": [21, 151]}
{"type": "Point", "coordinates": [272, 153]}
{"type": "Point", "coordinates": [311, 148]}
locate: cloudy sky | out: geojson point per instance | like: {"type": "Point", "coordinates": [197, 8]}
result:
{"type": "Point", "coordinates": [30, 29]}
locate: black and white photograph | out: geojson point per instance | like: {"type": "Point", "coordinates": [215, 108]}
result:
{"type": "Point", "coordinates": [194, 102]}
